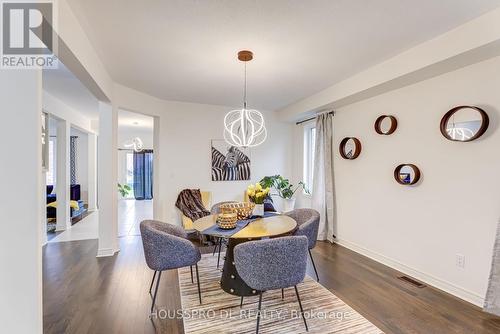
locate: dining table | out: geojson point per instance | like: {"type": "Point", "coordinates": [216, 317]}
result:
{"type": "Point", "coordinates": [272, 225]}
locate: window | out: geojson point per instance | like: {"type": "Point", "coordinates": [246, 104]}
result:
{"type": "Point", "coordinates": [51, 172]}
{"type": "Point", "coordinates": [309, 147]}
{"type": "Point", "coordinates": [130, 173]}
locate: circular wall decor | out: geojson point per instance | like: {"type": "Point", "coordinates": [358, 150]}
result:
{"type": "Point", "coordinates": [464, 123]}
{"type": "Point", "coordinates": [407, 174]}
{"type": "Point", "coordinates": [350, 148]}
{"type": "Point", "coordinates": [386, 125]}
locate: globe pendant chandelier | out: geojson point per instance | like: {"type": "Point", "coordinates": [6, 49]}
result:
{"type": "Point", "coordinates": [244, 127]}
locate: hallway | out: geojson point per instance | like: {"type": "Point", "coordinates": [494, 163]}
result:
{"type": "Point", "coordinates": [130, 215]}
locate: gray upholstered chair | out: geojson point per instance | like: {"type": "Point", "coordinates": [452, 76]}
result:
{"type": "Point", "coordinates": [215, 210]}
{"type": "Point", "coordinates": [308, 221]}
{"type": "Point", "coordinates": [272, 264]}
{"type": "Point", "coordinates": [166, 247]}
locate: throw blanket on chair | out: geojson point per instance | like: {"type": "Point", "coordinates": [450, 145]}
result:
{"type": "Point", "coordinates": [190, 204]}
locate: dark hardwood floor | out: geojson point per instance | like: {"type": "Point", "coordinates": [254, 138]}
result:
{"type": "Point", "coordinates": [85, 294]}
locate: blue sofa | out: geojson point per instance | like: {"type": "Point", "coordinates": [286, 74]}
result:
{"type": "Point", "coordinates": [75, 195]}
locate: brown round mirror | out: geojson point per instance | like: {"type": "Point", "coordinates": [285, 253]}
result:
{"type": "Point", "coordinates": [350, 148]}
{"type": "Point", "coordinates": [386, 125]}
{"type": "Point", "coordinates": [407, 174]}
{"type": "Point", "coordinates": [464, 123]}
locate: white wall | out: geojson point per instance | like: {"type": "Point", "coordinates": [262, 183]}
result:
{"type": "Point", "coordinates": [20, 203]}
{"type": "Point", "coordinates": [59, 109]}
{"type": "Point", "coordinates": [186, 154]}
{"type": "Point", "coordinates": [107, 175]}
{"type": "Point", "coordinates": [456, 206]}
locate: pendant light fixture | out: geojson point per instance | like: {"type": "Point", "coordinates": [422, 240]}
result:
{"type": "Point", "coordinates": [135, 143]}
{"type": "Point", "coordinates": [244, 127]}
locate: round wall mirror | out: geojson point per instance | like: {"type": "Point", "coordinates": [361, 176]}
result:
{"type": "Point", "coordinates": [407, 174]}
{"type": "Point", "coordinates": [350, 148]}
{"type": "Point", "coordinates": [464, 123]}
{"type": "Point", "coordinates": [386, 125]}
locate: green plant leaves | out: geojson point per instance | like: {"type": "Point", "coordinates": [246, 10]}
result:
{"type": "Point", "coordinates": [282, 185]}
{"type": "Point", "coordinates": [124, 190]}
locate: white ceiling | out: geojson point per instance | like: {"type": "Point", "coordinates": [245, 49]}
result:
{"type": "Point", "coordinates": [131, 125]}
{"type": "Point", "coordinates": [63, 85]}
{"type": "Point", "coordinates": [186, 49]}
{"type": "Point", "coordinates": [135, 121]}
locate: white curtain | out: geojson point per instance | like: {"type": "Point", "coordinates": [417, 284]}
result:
{"type": "Point", "coordinates": [323, 189]}
{"type": "Point", "coordinates": [492, 300]}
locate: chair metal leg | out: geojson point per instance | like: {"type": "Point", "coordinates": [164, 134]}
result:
{"type": "Point", "coordinates": [241, 302]}
{"type": "Point", "coordinates": [156, 291]}
{"type": "Point", "coordinates": [198, 281]}
{"type": "Point", "coordinates": [191, 267]}
{"type": "Point", "coordinates": [220, 246]}
{"type": "Point", "coordinates": [215, 248]}
{"type": "Point", "coordinates": [282, 294]}
{"type": "Point", "coordinates": [152, 281]}
{"type": "Point", "coordinates": [314, 266]}
{"type": "Point", "coordinates": [301, 309]}
{"type": "Point", "coordinates": [258, 314]}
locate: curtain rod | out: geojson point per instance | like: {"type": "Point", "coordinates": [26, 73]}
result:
{"type": "Point", "coordinates": [310, 119]}
{"type": "Point", "coordinates": [56, 136]}
{"type": "Point", "coordinates": [132, 150]}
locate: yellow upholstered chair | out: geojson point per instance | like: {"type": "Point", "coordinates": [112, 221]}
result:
{"type": "Point", "coordinates": [245, 197]}
{"type": "Point", "coordinates": [206, 198]}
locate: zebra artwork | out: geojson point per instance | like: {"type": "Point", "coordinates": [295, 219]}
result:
{"type": "Point", "coordinates": [232, 165]}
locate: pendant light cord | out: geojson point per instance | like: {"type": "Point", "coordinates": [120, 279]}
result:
{"type": "Point", "coordinates": [245, 88]}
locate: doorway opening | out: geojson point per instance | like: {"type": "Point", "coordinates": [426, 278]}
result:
{"type": "Point", "coordinates": [135, 171]}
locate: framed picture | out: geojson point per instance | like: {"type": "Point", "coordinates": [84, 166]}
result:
{"type": "Point", "coordinates": [45, 141]}
{"type": "Point", "coordinates": [229, 163]}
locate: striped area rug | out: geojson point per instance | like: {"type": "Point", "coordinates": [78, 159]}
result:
{"type": "Point", "coordinates": [221, 312]}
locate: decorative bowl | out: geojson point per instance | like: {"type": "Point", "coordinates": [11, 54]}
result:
{"type": "Point", "coordinates": [227, 221]}
{"type": "Point", "coordinates": [242, 209]}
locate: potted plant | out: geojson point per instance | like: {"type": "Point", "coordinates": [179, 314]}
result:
{"type": "Point", "coordinates": [124, 190]}
{"type": "Point", "coordinates": [257, 194]}
{"type": "Point", "coordinates": [284, 189]}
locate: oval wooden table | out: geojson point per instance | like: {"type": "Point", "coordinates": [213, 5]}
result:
{"type": "Point", "coordinates": [268, 227]}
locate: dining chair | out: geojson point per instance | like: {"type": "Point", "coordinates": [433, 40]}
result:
{"type": "Point", "coordinates": [273, 264]}
{"type": "Point", "coordinates": [215, 210]}
{"type": "Point", "coordinates": [308, 225]}
{"type": "Point", "coordinates": [166, 247]}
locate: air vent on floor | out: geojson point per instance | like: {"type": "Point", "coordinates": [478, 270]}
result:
{"type": "Point", "coordinates": [412, 281]}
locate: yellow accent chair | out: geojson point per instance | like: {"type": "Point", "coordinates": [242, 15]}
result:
{"type": "Point", "coordinates": [206, 198]}
{"type": "Point", "coordinates": [245, 197]}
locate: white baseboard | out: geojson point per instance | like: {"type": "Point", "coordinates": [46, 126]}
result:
{"type": "Point", "coordinates": [450, 288]}
{"type": "Point", "coordinates": [105, 252]}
